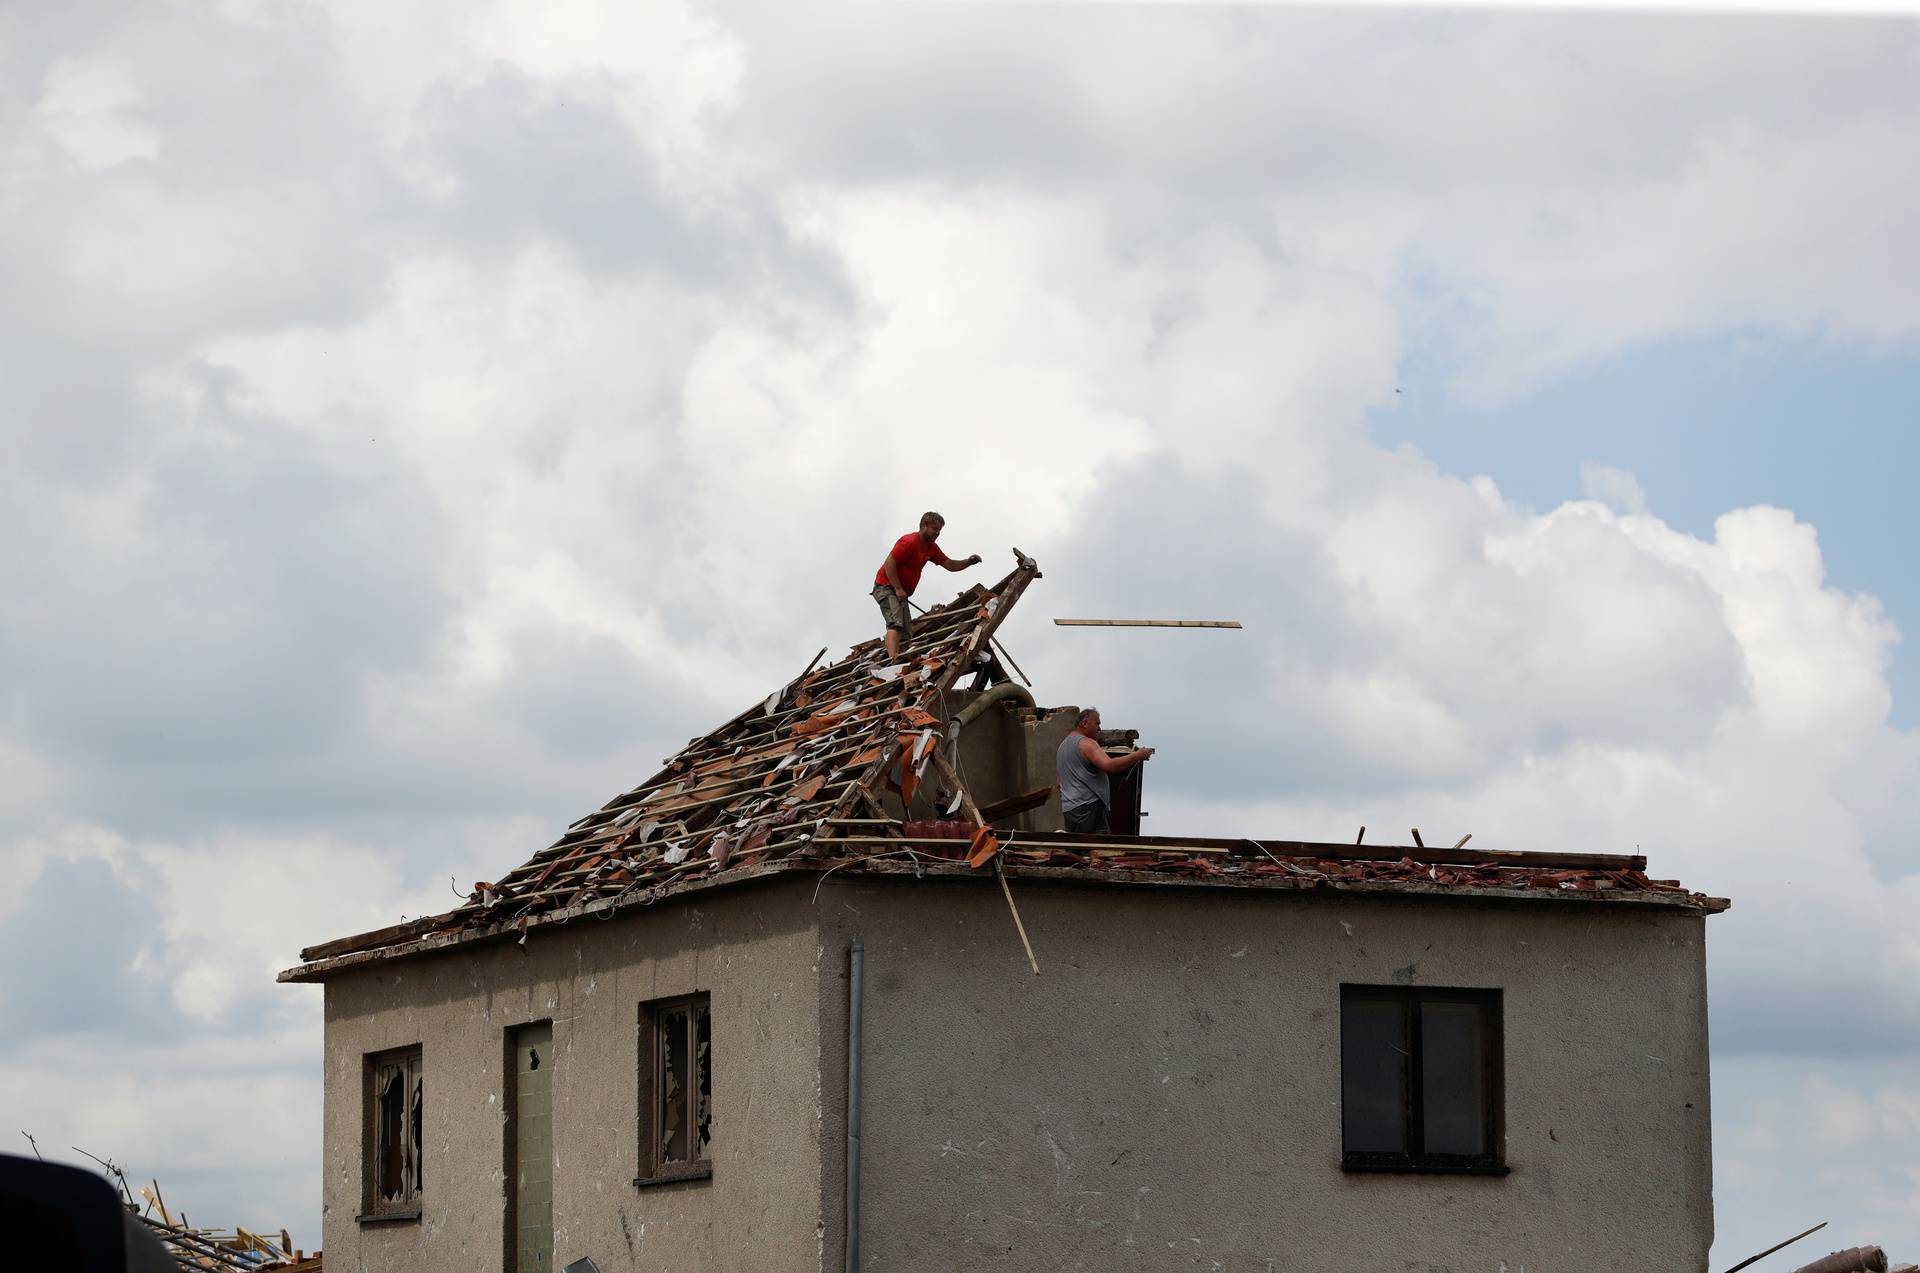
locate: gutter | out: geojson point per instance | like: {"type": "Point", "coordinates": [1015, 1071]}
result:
{"type": "Point", "coordinates": [319, 970]}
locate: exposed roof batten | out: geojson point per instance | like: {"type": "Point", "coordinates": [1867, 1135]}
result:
{"type": "Point", "coordinates": [792, 784]}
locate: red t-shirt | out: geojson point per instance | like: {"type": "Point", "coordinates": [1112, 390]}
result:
{"type": "Point", "coordinates": [910, 554]}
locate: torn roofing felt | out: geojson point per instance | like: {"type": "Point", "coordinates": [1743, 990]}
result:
{"type": "Point", "coordinates": [794, 782]}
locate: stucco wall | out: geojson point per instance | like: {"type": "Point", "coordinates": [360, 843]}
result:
{"type": "Point", "coordinates": [1166, 1095]}
{"type": "Point", "coordinates": [752, 948]}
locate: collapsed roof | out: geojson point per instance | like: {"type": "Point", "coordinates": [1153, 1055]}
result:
{"type": "Point", "coordinates": [796, 782]}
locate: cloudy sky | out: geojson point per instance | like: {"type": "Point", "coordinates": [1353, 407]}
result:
{"type": "Point", "coordinates": [420, 419]}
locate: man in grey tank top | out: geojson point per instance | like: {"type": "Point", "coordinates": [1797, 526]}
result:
{"type": "Point", "coordinates": [1082, 766]}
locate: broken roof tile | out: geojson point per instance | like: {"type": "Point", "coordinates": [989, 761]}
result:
{"type": "Point", "coordinates": [790, 764]}
{"type": "Point", "coordinates": [790, 784]}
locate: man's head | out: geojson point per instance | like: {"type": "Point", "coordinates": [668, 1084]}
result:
{"type": "Point", "coordinates": [930, 526]}
{"type": "Point", "coordinates": [1088, 721]}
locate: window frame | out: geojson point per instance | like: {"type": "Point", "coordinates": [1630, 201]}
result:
{"type": "Point", "coordinates": [1415, 1159]}
{"type": "Point", "coordinates": [407, 1206]}
{"type": "Point", "coordinates": [654, 1170]}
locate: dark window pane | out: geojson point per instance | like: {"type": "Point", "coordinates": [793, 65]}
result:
{"type": "Point", "coordinates": [671, 1030]}
{"type": "Point", "coordinates": [415, 1153]}
{"type": "Point", "coordinates": [1373, 1071]}
{"type": "Point", "coordinates": [390, 1086]}
{"type": "Point", "coordinates": [703, 1082]}
{"type": "Point", "coordinates": [1453, 1072]}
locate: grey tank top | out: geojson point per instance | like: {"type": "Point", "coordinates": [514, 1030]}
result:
{"type": "Point", "coordinates": [1080, 782]}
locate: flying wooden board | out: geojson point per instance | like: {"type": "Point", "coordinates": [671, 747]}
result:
{"type": "Point", "coordinates": [1148, 623]}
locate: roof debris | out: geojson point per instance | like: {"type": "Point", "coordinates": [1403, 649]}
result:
{"type": "Point", "coordinates": [1859, 1259]}
{"type": "Point", "coordinates": [236, 1248]}
{"type": "Point", "coordinates": [795, 783]}
{"type": "Point", "coordinates": [763, 787]}
{"type": "Point", "coordinates": [199, 1248]}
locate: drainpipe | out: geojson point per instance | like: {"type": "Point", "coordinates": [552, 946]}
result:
{"type": "Point", "coordinates": [856, 965]}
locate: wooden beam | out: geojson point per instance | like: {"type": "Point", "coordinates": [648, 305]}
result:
{"type": "Point", "coordinates": [966, 797]}
{"type": "Point", "coordinates": [1456, 857]}
{"type": "Point", "coordinates": [1016, 804]}
{"type": "Point", "coordinates": [1017, 840]}
{"type": "Point", "coordinates": [1147, 623]}
{"type": "Point", "coordinates": [369, 941]}
{"type": "Point", "coordinates": [999, 869]}
{"type": "Point", "coordinates": [1351, 852]}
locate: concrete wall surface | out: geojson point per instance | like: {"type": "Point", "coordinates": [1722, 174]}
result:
{"type": "Point", "coordinates": [1005, 752]}
{"type": "Point", "coordinates": [1166, 1095]}
{"type": "Point", "coordinates": [752, 948]}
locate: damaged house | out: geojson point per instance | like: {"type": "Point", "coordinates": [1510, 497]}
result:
{"type": "Point", "coordinates": [835, 990]}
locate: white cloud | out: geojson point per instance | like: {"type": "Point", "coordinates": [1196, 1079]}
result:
{"type": "Point", "coordinates": [667, 65]}
{"type": "Point", "coordinates": [1616, 488]}
{"type": "Point", "coordinates": [431, 428]}
{"type": "Point", "coordinates": [91, 108]}
{"type": "Point", "coordinates": [211, 1123]}
{"type": "Point", "coordinates": [1833, 1140]}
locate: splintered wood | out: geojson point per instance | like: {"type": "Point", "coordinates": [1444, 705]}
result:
{"type": "Point", "coordinates": [235, 1248]}
{"type": "Point", "coordinates": [797, 782]}
{"type": "Point", "coordinates": [768, 785]}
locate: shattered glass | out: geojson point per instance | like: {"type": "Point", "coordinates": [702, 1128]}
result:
{"type": "Point", "coordinates": [703, 1081]}
{"type": "Point", "coordinates": [390, 1082]}
{"type": "Point", "coordinates": [398, 1157]}
{"type": "Point", "coordinates": [413, 1139]}
{"type": "Point", "coordinates": [674, 1086]}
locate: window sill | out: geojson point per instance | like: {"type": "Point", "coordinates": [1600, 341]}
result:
{"type": "Point", "coordinates": [679, 1177]}
{"type": "Point", "coordinates": [388, 1217]}
{"type": "Point", "coordinates": [1424, 1169]}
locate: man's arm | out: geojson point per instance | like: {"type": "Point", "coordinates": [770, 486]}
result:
{"type": "Point", "coordinates": [1096, 755]}
{"type": "Point", "coordinates": [893, 576]}
{"type": "Point", "coordinates": [962, 564]}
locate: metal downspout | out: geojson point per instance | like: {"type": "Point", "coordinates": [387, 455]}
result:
{"type": "Point", "coordinates": [856, 962]}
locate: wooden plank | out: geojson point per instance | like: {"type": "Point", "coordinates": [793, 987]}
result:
{"type": "Point", "coordinates": [1017, 804]}
{"type": "Point", "coordinates": [1008, 590]}
{"type": "Point", "coordinates": [1019, 840]}
{"type": "Point", "coordinates": [1018, 926]}
{"type": "Point", "coordinates": [999, 649]}
{"type": "Point", "coordinates": [966, 797]}
{"type": "Point", "coordinates": [1455, 857]}
{"type": "Point", "coordinates": [1331, 852]}
{"type": "Point", "coordinates": [1147, 623]}
{"type": "Point", "coordinates": [369, 940]}
{"type": "Point", "coordinates": [1390, 853]}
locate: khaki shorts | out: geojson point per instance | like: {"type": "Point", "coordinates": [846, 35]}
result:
{"type": "Point", "coordinates": [893, 608]}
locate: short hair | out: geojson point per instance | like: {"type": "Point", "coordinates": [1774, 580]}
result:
{"type": "Point", "coordinates": [1086, 714]}
{"type": "Point", "coordinates": [931, 516]}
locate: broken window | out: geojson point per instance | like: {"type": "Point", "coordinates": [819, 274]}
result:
{"type": "Point", "coordinates": [677, 1082]}
{"type": "Point", "coordinates": [1420, 1079]}
{"type": "Point", "coordinates": [395, 1095]}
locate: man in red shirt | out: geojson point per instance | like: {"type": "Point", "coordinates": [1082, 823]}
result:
{"type": "Point", "coordinates": [899, 575]}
